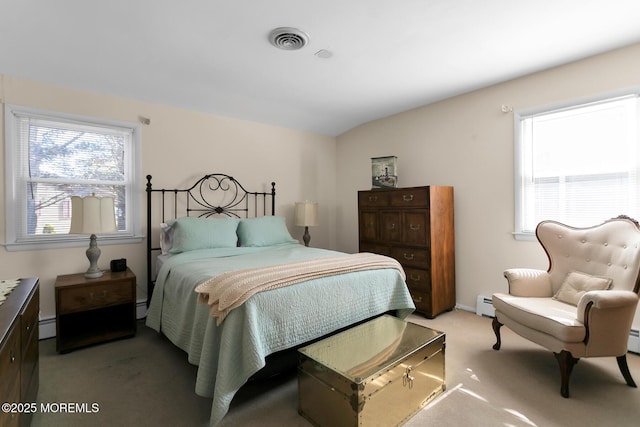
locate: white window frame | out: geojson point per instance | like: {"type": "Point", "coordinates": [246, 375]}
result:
{"type": "Point", "coordinates": [520, 154]}
{"type": "Point", "coordinates": [16, 238]}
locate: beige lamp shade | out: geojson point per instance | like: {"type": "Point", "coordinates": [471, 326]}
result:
{"type": "Point", "coordinates": [306, 214]}
{"type": "Point", "coordinates": [92, 215]}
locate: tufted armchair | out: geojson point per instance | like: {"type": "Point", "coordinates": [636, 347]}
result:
{"type": "Point", "coordinates": [584, 304]}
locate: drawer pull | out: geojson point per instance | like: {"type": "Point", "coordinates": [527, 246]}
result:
{"type": "Point", "coordinates": [414, 227]}
{"type": "Point", "coordinates": [418, 299]}
{"type": "Point", "coordinates": [415, 277]}
{"type": "Point", "coordinates": [28, 328]}
{"type": "Point", "coordinates": [408, 198]}
{"type": "Point", "coordinates": [373, 198]}
{"type": "Point", "coordinates": [392, 226]}
{"type": "Point", "coordinates": [12, 358]}
{"type": "Point", "coordinates": [99, 296]}
{"type": "Point", "coordinates": [408, 257]}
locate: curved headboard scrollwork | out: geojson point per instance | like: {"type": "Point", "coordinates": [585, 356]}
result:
{"type": "Point", "coordinates": [220, 194]}
{"type": "Point", "coordinates": [214, 194]}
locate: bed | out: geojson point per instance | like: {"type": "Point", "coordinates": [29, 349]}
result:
{"type": "Point", "coordinates": [215, 228]}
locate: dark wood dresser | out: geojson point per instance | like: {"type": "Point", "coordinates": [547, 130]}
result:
{"type": "Point", "coordinates": [19, 352]}
{"type": "Point", "coordinates": [415, 226]}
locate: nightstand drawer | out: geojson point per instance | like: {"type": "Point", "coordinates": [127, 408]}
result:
{"type": "Point", "coordinates": [82, 298]}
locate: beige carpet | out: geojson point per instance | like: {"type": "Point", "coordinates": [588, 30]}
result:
{"type": "Point", "coordinates": [146, 381]}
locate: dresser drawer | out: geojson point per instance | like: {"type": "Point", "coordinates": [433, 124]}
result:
{"type": "Point", "coordinates": [29, 321]}
{"type": "Point", "coordinates": [10, 357]}
{"type": "Point", "coordinates": [422, 300]}
{"type": "Point", "coordinates": [82, 298]}
{"type": "Point", "coordinates": [12, 418]}
{"type": "Point", "coordinates": [30, 371]}
{"type": "Point", "coordinates": [373, 198]}
{"type": "Point", "coordinates": [418, 279]}
{"type": "Point", "coordinates": [411, 257]}
{"type": "Point", "coordinates": [368, 225]}
{"type": "Point", "coordinates": [415, 227]}
{"type": "Point", "coordinates": [374, 249]}
{"type": "Point", "coordinates": [410, 197]}
{"type": "Point", "coordinates": [391, 226]}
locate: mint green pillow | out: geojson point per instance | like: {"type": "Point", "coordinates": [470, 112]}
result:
{"type": "Point", "coordinates": [264, 231]}
{"type": "Point", "coordinates": [190, 233]}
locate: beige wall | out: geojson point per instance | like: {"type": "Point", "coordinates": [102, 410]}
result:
{"type": "Point", "coordinates": [467, 142]}
{"type": "Point", "coordinates": [178, 147]}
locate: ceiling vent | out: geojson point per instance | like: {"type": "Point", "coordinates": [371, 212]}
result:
{"type": "Point", "coordinates": [287, 38]}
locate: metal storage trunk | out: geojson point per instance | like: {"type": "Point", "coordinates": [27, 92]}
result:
{"type": "Point", "coordinates": [379, 373]}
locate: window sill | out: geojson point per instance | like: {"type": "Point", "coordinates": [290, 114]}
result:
{"type": "Point", "coordinates": [70, 243]}
{"type": "Point", "coordinates": [526, 236]}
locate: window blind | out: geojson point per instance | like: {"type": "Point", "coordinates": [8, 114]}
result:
{"type": "Point", "coordinates": [579, 164]}
{"type": "Point", "coordinates": [53, 157]}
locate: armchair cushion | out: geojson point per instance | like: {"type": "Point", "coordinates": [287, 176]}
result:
{"type": "Point", "coordinates": [545, 315]}
{"type": "Point", "coordinates": [576, 284]}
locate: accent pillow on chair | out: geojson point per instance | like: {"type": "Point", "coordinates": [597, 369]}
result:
{"type": "Point", "coordinates": [576, 284]}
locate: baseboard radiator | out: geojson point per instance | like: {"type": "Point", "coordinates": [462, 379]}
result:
{"type": "Point", "coordinates": [634, 341]}
{"type": "Point", "coordinates": [484, 307]}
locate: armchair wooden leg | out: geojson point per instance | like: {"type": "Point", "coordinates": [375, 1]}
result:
{"type": "Point", "coordinates": [566, 362]}
{"type": "Point", "coordinates": [496, 329]}
{"type": "Point", "coordinates": [624, 368]}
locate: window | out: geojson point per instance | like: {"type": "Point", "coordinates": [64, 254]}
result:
{"type": "Point", "coordinates": [577, 163]}
{"type": "Point", "coordinates": [51, 157]}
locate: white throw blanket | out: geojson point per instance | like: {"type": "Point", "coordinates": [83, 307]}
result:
{"type": "Point", "coordinates": [229, 290]}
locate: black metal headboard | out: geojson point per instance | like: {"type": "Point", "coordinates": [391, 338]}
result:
{"type": "Point", "coordinates": [212, 195]}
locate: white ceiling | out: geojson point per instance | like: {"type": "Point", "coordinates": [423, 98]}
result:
{"type": "Point", "coordinates": [388, 55]}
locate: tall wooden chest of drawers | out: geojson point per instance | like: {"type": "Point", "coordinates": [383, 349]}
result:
{"type": "Point", "coordinates": [415, 226]}
{"type": "Point", "coordinates": [19, 373]}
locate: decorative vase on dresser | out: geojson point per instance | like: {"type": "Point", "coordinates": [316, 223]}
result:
{"type": "Point", "coordinates": [415, 226]}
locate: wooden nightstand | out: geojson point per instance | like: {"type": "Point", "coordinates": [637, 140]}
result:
{"type": "Point", "coordinates": [90, 311]}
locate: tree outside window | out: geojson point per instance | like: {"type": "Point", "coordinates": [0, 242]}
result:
{"type": "Point", "coordinates": [54, 157]}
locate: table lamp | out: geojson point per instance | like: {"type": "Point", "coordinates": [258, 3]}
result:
{"type": "Point", "coordinates": [92, 215]}
{"type": "Point", "coordinates": [306, 216]}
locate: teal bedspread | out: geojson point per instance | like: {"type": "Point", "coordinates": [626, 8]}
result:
{"type": "Point", "coordinates": [229, 354]}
